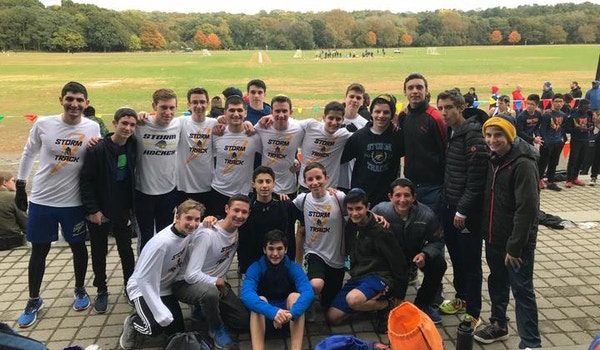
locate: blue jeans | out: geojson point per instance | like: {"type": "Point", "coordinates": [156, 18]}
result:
{"type": "Point", "coordinates": [501, 280]}
{"type": "Point", "coordinates": [465, 253]}
{"type": "Point", "coordinates": [431, 196]}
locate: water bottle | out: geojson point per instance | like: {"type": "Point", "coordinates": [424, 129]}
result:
{"type": "Point", "coordinates": [464, 336]}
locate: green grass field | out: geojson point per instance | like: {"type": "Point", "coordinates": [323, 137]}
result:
{"type": "Point", "coordinates": [31, 82]}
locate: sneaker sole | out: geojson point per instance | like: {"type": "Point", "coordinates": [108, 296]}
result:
{"type": "Point", "coordinates": [121, 337]}
{"type": "Point", "coordinates": [489, 341]}
{"type": "Point", "coordinates": [34, 319]}
{"type": "Point", "coordinates": [82, 308]}
{"type": "Point", "coordinates": [99, 311]}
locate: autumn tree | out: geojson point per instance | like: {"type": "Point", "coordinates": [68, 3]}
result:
{"type": "Point", "coordinates": [514, 37]}
{"type": "Point", "coordinates": [370, 39]}
{"type": "Point", "coordinates": [201, 39]}
{"type": "Point", "coordinates": [587, 33]}
{"type": "Point", "coordinates": [213, 41]}
{"type": "Point", "coordinates": [406, 39]}
{"type": "Point", "coordinates": [496, 37]}
{"type": "Point", "coordinates": [151, 37]}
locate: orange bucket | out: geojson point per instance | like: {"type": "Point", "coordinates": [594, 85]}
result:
{"type": "Point", "coordinates": [410, 328]}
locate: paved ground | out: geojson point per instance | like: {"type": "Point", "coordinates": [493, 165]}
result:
{"type": "Point", "coordinates": [567, 280]}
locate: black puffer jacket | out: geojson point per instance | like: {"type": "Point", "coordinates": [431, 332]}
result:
{"type": "Point", "coordinates": [512, 201]}
{"type": "Point", "coordinates": [466, 165]}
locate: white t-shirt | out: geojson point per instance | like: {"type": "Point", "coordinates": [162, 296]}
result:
{"type": "Point", "coordinates": [320, 146]}
{"type": "Point", "coordinates": [195, 163]}
{"type": "Point", "coordinates": [155, 271]}
{"type": "Point", "coordinates": [279, 152]}
{"type": "Point", "coordinates": [235, 162]}
{"type": "Point", "coordinates": [210, 253]}
{"type": "Point", "coordinates": [157, 157]}
{"type": "Point", "coordinates": [324, 226]}
{"type": "Point", "coordinates": [61, 147]}
{"type": "Point", "coordinates": [346, 168]}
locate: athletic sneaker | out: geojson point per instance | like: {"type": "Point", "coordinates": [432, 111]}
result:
{"type": "Point", "coordinates": [578, 182]}
{"type": "Point", "coordinates": [475, 322]}
{"type": "Point", "coordinates": [129, 336]}
{"type": "Point", "coordinates": [433, 314]}
{"type": "Point", "coordinates": [593, 181]}
{"type": "Point", "coordinates": [29, 315]}
{"type": "Point", "coordinates": [569, 184]}
{"type": "Point", "coordinates": [451, 307]}
{"type": "Point", "coordinates": [82, 299]}
{"type": "Point", "coordinates": [491, 333]}
{"type": "Point", "coordinates": [221, 338]}
{"type": "Point", "coordinates": [554, 187]}
{"type": "Point", "coordinates": [542, 184]}
{"type": "Point", "coordinates": [101, 302]}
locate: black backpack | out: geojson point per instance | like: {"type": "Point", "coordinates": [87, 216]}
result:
{"type": "Point", "coordinates": [187, 341]}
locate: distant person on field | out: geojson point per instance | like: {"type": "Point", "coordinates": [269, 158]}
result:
{"type": "Point", "coordinates": [107, 185]}
{"type": "Point", "coordinates": [364, 109]}
{"type": "Point", "coordinates": [503, 107]}
{"type": "Point", "coordinates": [547, 94]}
{"type": "Point", "coordinates": [90, 113]}
{"type": "Point", "coordinates": [596, 158]}
{"type": "Point", "coordinates": [61, 141]}
{"type": "Point", "coordinates": [553, 135]}
{"type": "Point", "coordinates": [216, 107]}
{"type": "Point", "coordinates": [277, 292]}
{"type": "Point", "coordinates": [593, 95]}
{"type": "Point", "coordinates": [13, 221]}
{"type": "Point", "coordinates": [578, 126]}
{"type": "Point", "coordinates": [518, 99]}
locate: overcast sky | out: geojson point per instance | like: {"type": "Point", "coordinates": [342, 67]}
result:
{"type": "Point", "coordinates": [254, 6]}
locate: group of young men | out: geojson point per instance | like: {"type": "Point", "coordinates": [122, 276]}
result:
{"type": "Point", "coordinates": [455, 158]}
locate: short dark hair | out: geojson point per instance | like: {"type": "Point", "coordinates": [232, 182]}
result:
{"type": "Point", "coordinates": [89, 111]}
{"type": "Point", "coordinates": [534, 97]}
{"type": "Point", "coordinates": [234, 100]}
{"type": "Point", "coordinates": [262, 169]}
{"type": "Point", "coordinates": [314, 165]}
{"type": "Point", "coordinates": [238, 197]}
{"type": "Point", "coordinates": [356, 195]}
{"type": "Point", "coordinates": [457, 99]}
{"type": "Point", "coordinates": [415, 75]}
{"type": "Point", "coordinates": [124, 112]}
{"type": "Point", "coordinates": [334, 106]}
{"type": "Point", "coordinates": [281, 99]}
{"type": "Point", "coordinates": [197, 90]}
{"type": "Point", "coordinates": [403, 182]}
{"type": "Point", "coordinates": [256, 82]}
{"type": "Point", "coordinates": [74, 87]}
{"type": "Point", "coordinates": [275, 236]}
{"type": "Point", "coordinates": [558, 96]}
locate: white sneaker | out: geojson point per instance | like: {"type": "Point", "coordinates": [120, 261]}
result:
{"type": "Point", "coordinates": [592, 181]}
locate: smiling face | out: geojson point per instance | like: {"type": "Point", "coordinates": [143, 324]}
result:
{"type": "Point", "coordinates": [281, 114]}
{"type": "Point", "coordinates": [333, 120]}
{"type": "Point", "coordinates": [382, 116]}
{"type": "Point", "coordinates": [124, 127]}
{"type": "Point", "coordinates": [497, 140]}
{"type": "Point", "coordinates": [402, 199]}
{"type": "Point", "coordinates": [187, 223]}
{"type": "Point", "coordinates": [237, 213]}
{"type": "Point", "coordinates": [198, 104]}
{"type": "Point", "coordinates": [73, 105]}
{"type": "Point", "coordinates": [415, 90]}
{"type": "Point", "coordinates": [357, 212]}
{"type": "Point", "coordinates": [165, 111]}
{"type": "Point", "coordinates": [275, 251]}
{"type": "Point", "coordinates": [316, 180]}
{"type": "Point", "coordinates": [263, 185]}
{"type": "Point", "coordinates": [236, 114]}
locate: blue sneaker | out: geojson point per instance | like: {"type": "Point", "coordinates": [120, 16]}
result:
{"type": "Point", "coordinates": [433, 314]}
{"type": "Point", "coordinates": [29, 315]}
{"type": "Point", "coordinates": [221, 338]}
{"type": "Point", "coordinates": [82, 299]}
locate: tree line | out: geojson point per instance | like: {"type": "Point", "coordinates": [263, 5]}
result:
{"type": "Point", "coordinates": [71, 27]}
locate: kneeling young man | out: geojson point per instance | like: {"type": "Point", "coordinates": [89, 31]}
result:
{"type": "Point", "coordinates": [277, 289]}
{"type": "Point", "coordinates": [202, 281]}
{"type": "Point", "coordinates": [378, 268]}
{"type": "Point", "coordinates": [149, 288]}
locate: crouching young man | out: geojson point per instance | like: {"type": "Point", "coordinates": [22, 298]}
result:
{"type": "Point", "coordinates": [276, 290]}
{"type": "Point", "coordinates": [378, 268]}
{"type": "Point", "coordinates": [149, 288]}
